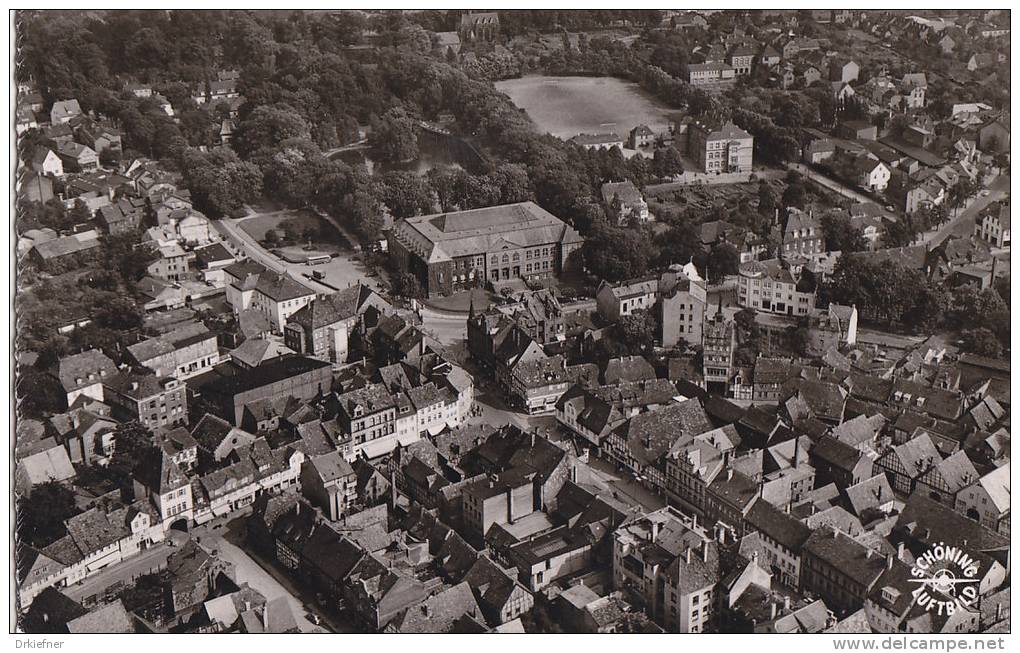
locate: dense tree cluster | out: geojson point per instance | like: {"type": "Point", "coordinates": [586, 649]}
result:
{"type": "Point", "coordinates": [888, 292]}
{"type": "Point", "coordinates": [41, 514]}
{"type": "Point", "coordinates": [841, 235]}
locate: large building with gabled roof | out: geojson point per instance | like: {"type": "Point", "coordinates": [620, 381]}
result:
{"type": "Point", "coordinates": [323, 327]}
{"type": "Point", "coordinates": [448, 252]}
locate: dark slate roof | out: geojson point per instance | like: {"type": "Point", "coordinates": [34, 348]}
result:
{"type": "Point", "coordinates": [736, 489]}
{"type": "Point", "coordinates": [438, 613]}
{"type": "Point", "coordinates": [651, 435]}
{"type": "Point", "coordinates": [281, 287]}
{"type": "Point", "coordinates": [266, 374]}
{"type": "Point", "coordinates": [333, 308]}
{"type": "Point", "coordinates": [836, 453]}
{"type": "Point", "coordinates": [778, 525]}
{"type": "Point", "coordinates": [78, 367]}
{"type": "Point", "coordinates": [844, 553]}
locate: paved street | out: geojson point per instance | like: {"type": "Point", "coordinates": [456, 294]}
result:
{"type": "Point", "coordinates": [495, 411]}
{"type": "Point", "coordinates": [447, 328]}
{"type": "Point", "coordinates": [341, 272]}
{"type": "Point", "coordinates": [622, 483]}
{"type": "Point", "coordinates": [255, 251]}
{"type": "Point", "coordinates": [963, 223]}
{"type": "Point", "coordinates": [831, 184]}
{"type": "Point", "coordinates": [124, 573]}
{"type": "Point", "coordinates": [270, 582]}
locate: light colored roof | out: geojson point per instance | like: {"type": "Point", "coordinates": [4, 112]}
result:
{"type": "Point", "coordinates": [996, 484]}
{"type": "Point", "coordinates": [444, 236]}
{"type": "Point", "coordinates": [727, 131]}
{"type": "Point", "coordinates": [331, 467]}
{"type": "Point", "coordinates": [110, 618]}
{"type": "Point", "coordinates": [958, 472]}
{"type": "Point", "coordinates": [254, 351]}
{"type": "Point", "coordinates": [65, 108]}
{"type": "Point", "coordinates": [50, 465]}
{"type": "Point", "coordinates": [222, 610]}
{"type": "Point", "coordinates": [870, 493]}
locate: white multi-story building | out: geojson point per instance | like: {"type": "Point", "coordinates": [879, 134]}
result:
{"type": "Point", "coordinates": [668, 564]}
{"type": "Point", "coordinates": [771, 287]}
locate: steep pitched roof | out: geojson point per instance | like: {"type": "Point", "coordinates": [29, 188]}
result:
{"type": "Point", "coordinates": [846, 554]}
{"type": "Point", "coordinates": [281, 287]}
{"type": "Point", "coordinates": [157, 471]}
{"type": "Point", "coordinates": [328, 310]}
{"type": "Point", "coordinates": [869, 493]}
{"type": "Point", "coordinates": [651, 435]}
{"type": "Point", "coordinates": [778, 525]}
{"type": "Point", "coordinates": [111, 618]}
{"type": "Point", "coordinates": [84, 369]}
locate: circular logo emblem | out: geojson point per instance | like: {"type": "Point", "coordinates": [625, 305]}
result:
{"type": "Point", "coordinates": [947, 579]}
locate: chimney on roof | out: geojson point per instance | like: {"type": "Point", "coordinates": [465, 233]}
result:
{"type": "Point", "coordinates": [786, 602]}
{"type": "Point", "coordinates": [655, 530]}
{"type": "Point", "coordinates": [510, 504]}
{"type": "Point", "coordinates": [888, 561]}
{"type": "Point", "coordinates": [687, 555]}
{"type": "Point", "coordinates": [393, 488]}
{"type": "Point", "coordinates": [729, 474]}
{"type": "Point", "coordinates": [532, 439]}
{"type": "Point", "coordinates": [869, 553]}
{"type": "Point", "coordinates": [998, 611]}
{"type": "Point", "coordinates": [899, 551]}
{"type": "Point", "coordinates": [772, 610]}
{"type": "Point", "coordinates": [704, 551]}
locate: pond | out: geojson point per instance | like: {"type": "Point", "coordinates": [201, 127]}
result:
{"type": "Point", "coordinates": [568, 106]}
{"type": "Point", "coordinates": [435, 151]}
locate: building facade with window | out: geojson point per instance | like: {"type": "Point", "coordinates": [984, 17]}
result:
{"type": "Point", "coordinates": [454, 251]}
{"type": "Point", "coordinates": [726, 149]}
{"type": "Point", "coordinates": [770, 286]}
{"type": "Point", "coordinates": [670, 566]}
{"type": "Point", "coordinates": [153, 401]}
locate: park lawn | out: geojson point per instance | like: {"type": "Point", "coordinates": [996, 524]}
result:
{"type": "Point", "coordinates": [328, 240]}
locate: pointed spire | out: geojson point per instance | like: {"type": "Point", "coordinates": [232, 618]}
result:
{"type": "Point", "coordinates": [471, 309]}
